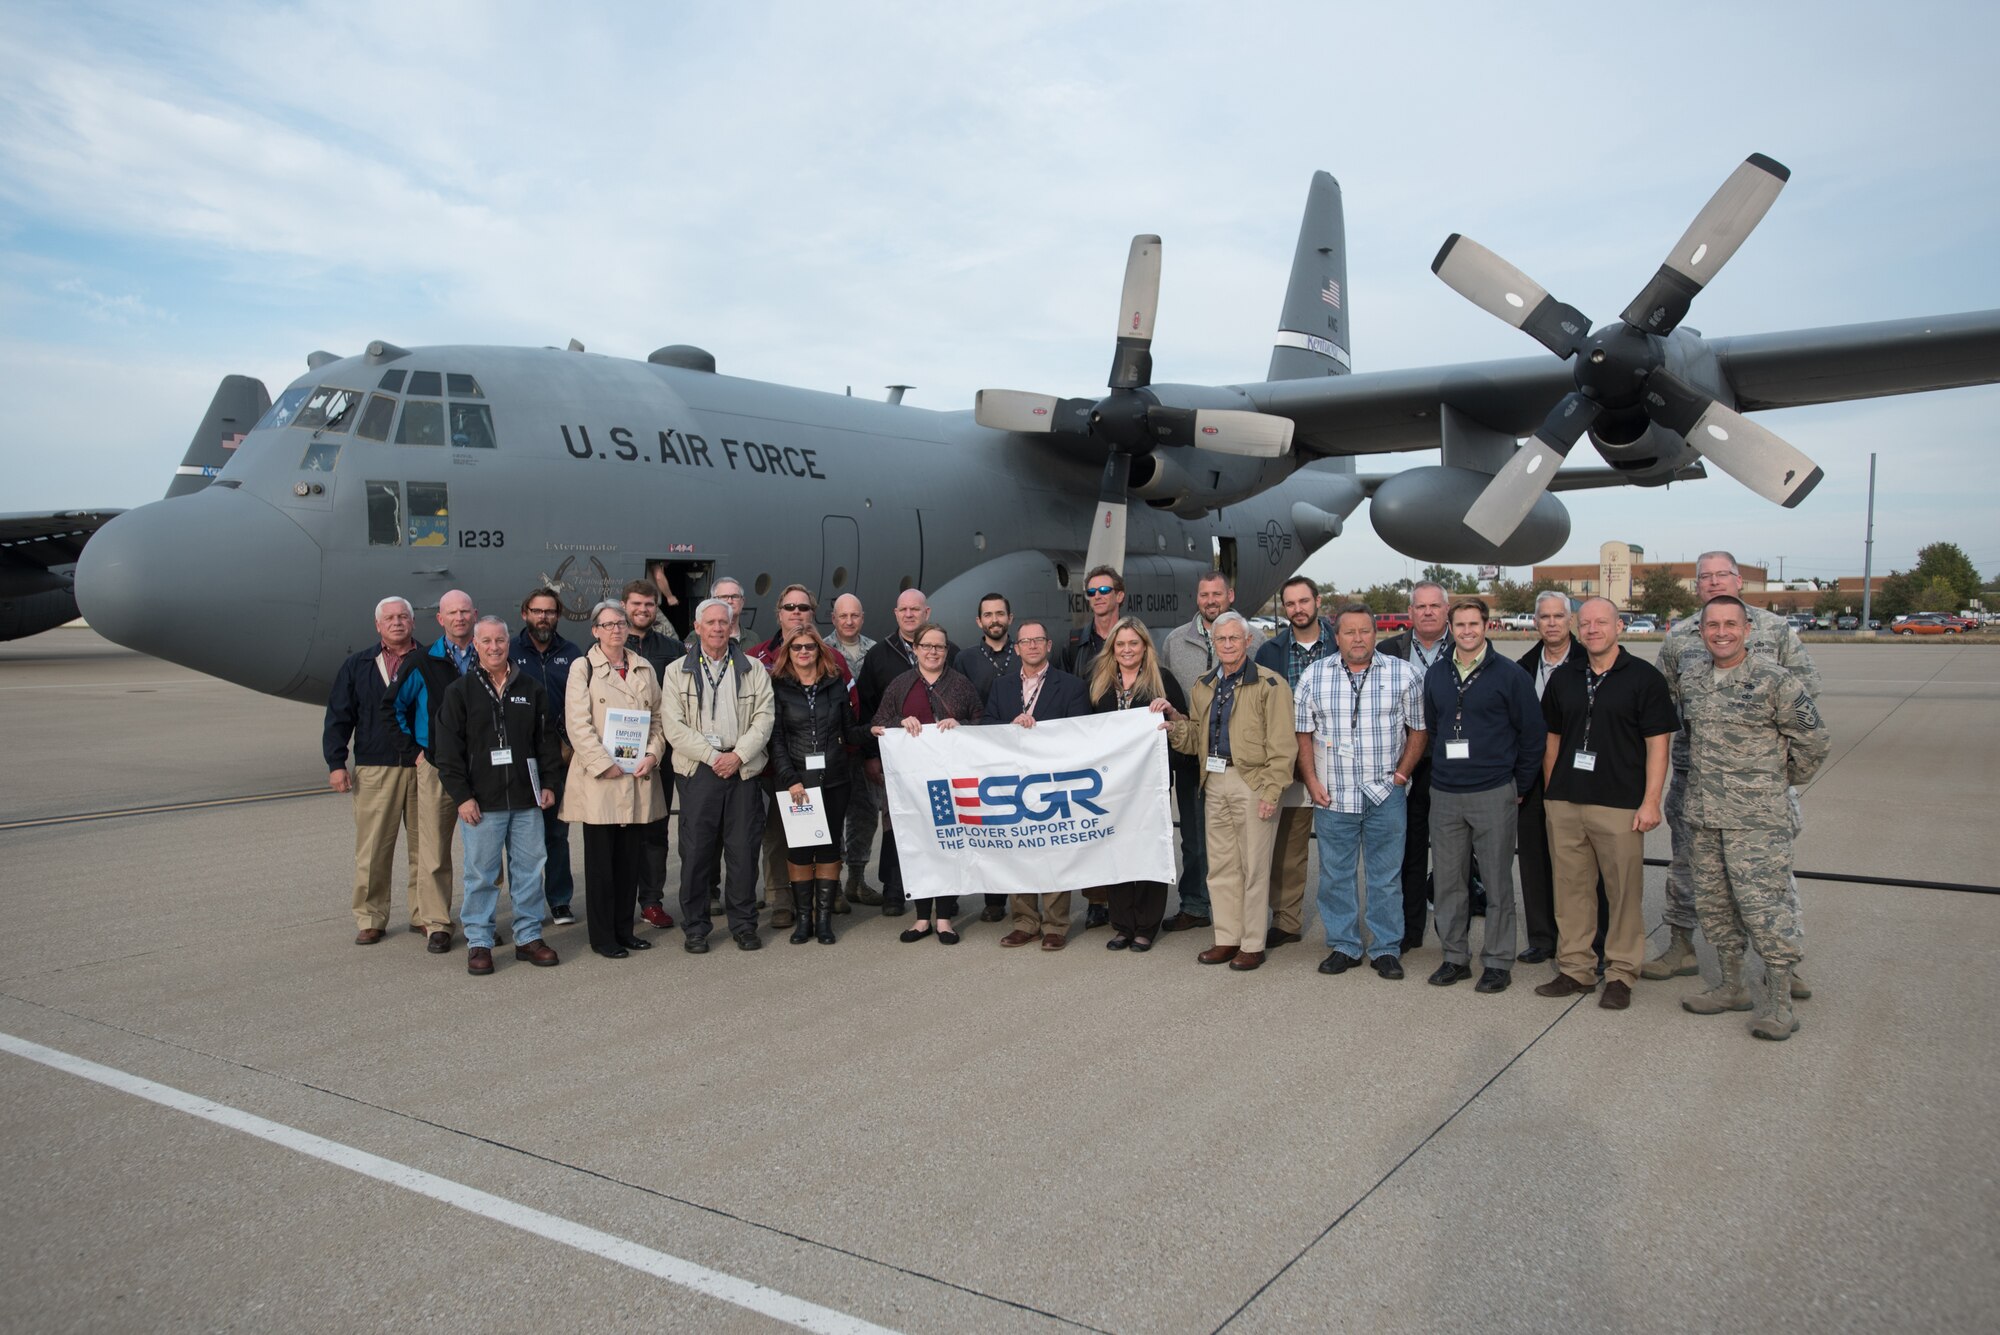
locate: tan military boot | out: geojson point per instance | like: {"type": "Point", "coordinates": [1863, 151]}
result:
{"type": "Point", "coordinates": [1676, 961]}
{"type": "Point", "coordinates": [860, 892]}
{"type": "Point", "coordinates": [1775, 1020]}
{"type": "Point", "coordinates": [1801, 989]}
{"type": "Point", "coordinates": [1727, 995]}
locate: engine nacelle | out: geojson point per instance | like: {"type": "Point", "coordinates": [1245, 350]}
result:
{"type": "Point", "coordinates": [1652, 454]}
{"type": "Point", "coordinates": [1192, 482]}
{"type": "Point", "coordinates": [1421, 513]}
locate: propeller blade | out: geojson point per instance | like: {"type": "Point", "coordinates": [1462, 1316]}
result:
{"type": "Point", "coordinates": [1015, 410]}
{"type": "Point", "coordinates": [1714, 235]}
{"type": "Point", "coordinates": [1501, 290]}
{"type": "Point", "coordinates": [1520, 483]}
{"type": "Point", "coordinates": [1107, 524]}
{"type": "Point", "coordinates": [1761, 460]}
{"type": "Point", "coordinates": [1132, 368]}
{"type": "Point", "coordinates": [1226, 431]}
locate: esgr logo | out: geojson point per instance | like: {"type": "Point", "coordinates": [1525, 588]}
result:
{"type": "Point", "coordinates": [1010, 799]}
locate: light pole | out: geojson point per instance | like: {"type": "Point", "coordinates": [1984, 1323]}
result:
{"type": "Point", "coordinates": [1868, 553]}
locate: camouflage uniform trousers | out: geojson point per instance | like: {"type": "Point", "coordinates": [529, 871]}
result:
{"type": "Point", "coordinates": [1681, 911]}
{"type": "Point", "coordinates": [1744, 892]}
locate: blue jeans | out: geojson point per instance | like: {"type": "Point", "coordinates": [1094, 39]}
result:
{"type": "Point", "coordinates": [1194, 845]}
{"type": "Point", "coordinates": [519, 834]}
{"type": "Point", "coordinates": [558, 881]}
{"type": "Point", "coordinates": [1376, 833]}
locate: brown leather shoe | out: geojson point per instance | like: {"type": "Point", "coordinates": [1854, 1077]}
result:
{"type": "Point", "coordinates": [369, 936]}
{"type": "Point", "coordinates": [538, 953]}
{"type": "Point", "coordinates": [1054, 941]}
{"type": "Point", "coordinates": [1019, 939]}
{"type": "Point", "coordinates": [1185, 921]}
{"type": "Point", "coordinates": [439, 943]}
{"type": "Point", "coordinates": [1217, 955]}
{"type": "Point", "coordinates": [1617, 996]}
{"type": "Point", "coordinates": [1562, 985]}
{"type": "Point", "coordinates": [479, 960]}
{"type": "Point", "coordinates": [1246, 960]}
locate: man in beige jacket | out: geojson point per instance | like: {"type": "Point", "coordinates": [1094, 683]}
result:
{"type": "Point", "coordinates": [716, 706]}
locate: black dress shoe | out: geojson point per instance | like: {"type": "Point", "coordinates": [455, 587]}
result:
{"type": "Point", "coordinates": [617, 952]}
{"type": "Point", "coordinates": [747, 939]}
{"type": "Point", "coordinates": [1118, 943]}
{"type": "Point", "coordinates": [1411, 943]}
{"type": "Point", "coordinates": [913, 933]}
{"type": "Point", "coordinates": [947, 937]}
{"type": "Point", "coordinates": [636, 943]}
{"type": "Point", "coordinates": [1449, 973]}
{"type": "Point", "coordinates": [992, 913]}
{"type": "Point", "coordinates": [1099, 915]}
{"type": "Point", "coordinates": [1533, 955]}
{"type": "Point", "coordinates": [695, 945]}
{"type": "Point", "coordinates": [1493, 980]}
{"type": "Point", "coordinates": [1388, 966]}
{"type": "Point", "coordinates": [439, 943]}
{"type": "Point", "coordinates": [1278, 936]}
{"type": "Point", "coordinates": [1338, 962]}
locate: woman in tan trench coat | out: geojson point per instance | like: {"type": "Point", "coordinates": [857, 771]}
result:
{"type": "Point", "coordinates": [610, 804]}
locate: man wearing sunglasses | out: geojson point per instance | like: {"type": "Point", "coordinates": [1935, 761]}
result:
{"type": "Point", "coordinates": [1104, 589]}
{"type": "Point", "coordinates": [796, 610]}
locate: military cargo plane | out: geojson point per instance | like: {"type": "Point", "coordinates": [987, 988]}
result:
{"type": "Point", "coordinates": [412, 471]}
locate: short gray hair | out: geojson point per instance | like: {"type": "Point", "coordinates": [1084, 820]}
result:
{"type": "Point", "coordinates": [725, 579]}
{"type": "Point", "coordinates": [702, 607]}
{"type": "Point", "coordinates": [610, 603]}
{"type": "Point", "coordinates": [1429, 584]}
{"type": "Point", "coordinates": [1547, 594]}
{"type": "Point", "coordinates": [393, 598]}
{"type": "Point", "coordinates": [1727, 556]}
{"type": "Point", "coordinates": [490, 621]}
{"type": "Point", "coordinates": [1231, 615]}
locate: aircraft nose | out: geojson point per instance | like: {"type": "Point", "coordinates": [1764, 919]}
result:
{"type": "Point", "coordinates": [218, 581]}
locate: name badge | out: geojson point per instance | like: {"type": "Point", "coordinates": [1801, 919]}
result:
{"type": "Point", "coordinates": [714, 739]}
{"type": "Point", "coordinates": [1347, 748]}
{"type": "Point", "coordinates": [1216, 764]}
{"type": "Point", "coordinates": [1585, 761]}
{"type": "Point", "coordinates": [815, 762]}
{"type": "Point", "coordinates": [1458, 750]}
{"type": "Point", "coordinates": [503, 755]}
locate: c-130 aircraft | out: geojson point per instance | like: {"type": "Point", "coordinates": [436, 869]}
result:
{"type": "Point", "coordinates": [414, 471]}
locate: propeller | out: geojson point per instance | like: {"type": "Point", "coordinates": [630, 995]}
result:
{"type": "Point", "coordinates": [1621, 379]}
{"type": "Point", "coordinates": [1130, 420]}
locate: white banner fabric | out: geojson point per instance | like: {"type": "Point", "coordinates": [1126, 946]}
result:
{"type": "Point", "coordinates": [1064, 805]}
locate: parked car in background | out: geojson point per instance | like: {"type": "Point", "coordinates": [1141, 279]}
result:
{"type": "Point", "coordinates": [1392, 621]}
{"type": "Point", "coordinates": [1518, 621]}
{"type": "Point", "coordinates": [1643, 626]}
{"type": "Point", "coordinates": [1927, 623]}
{"type": "Point", "coordinates": [1847, 621]}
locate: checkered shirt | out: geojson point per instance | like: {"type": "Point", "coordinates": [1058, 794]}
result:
{"type": "Point", "coordinates": [1391, 708]}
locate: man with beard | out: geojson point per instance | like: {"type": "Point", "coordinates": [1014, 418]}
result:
{"type": "Point", "coordinates": [659, 646]}
{"type": "Point", "coordinates": [983, 664]}
{"type": "Point", "coordinates": [865, 801]}
{"type": "Point", "coordinates": [1306, 638]}
{"type": "Point", "coordinates": [541, 652]}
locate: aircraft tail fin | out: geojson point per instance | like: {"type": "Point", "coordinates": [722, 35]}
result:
{"type": "Point", "coordinates": [1312, 327]}
{"type": "Point", "coordinates": [239, 401]}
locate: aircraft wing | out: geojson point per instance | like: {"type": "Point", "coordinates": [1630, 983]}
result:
{"type": "Point", "coordinates": [47, 540]}
{"type": "Point", "coordinates": [1382, 411]}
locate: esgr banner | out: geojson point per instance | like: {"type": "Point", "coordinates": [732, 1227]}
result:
{"type": "Point", "coordinates": [1063, 805]}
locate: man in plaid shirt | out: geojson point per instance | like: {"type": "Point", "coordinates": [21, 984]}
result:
{"type": "Point", "coordinates": [1360, 720]}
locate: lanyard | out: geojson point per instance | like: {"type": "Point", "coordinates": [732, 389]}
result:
{"type": "Point", "coordinates": [1464, 684]}
{"type": "Point", "coordinates": [1031, 690]}
{"type": "Point", "coordinates": [1220, 708]}
{"type": "Point", "coordinates": [1358, 686]}
{"type": "Point", "coordinates": [1420, 657]}
{"type": "Point", "coordinates": [1591, 681]}
{"type": "Point", "coordinates": [907, 653]}
{"type": "Point", "coordinates": [1208, 648]}
{"type": "Point", "coordinates": [499, 709]}
{"type": "Point", "coordinates": [715, 680]}
{"type": "Point", "coordinates": [812, 713]}
{"type": "Point", "coordinates": [930, 694]}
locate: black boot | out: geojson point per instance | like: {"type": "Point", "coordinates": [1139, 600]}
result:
{"type": "Point", "coordinates": [802, 914]}
{"type": "Point", "coordinates": [823, 896]}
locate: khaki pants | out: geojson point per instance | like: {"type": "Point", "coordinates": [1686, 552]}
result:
{"type": "Point", "coordinates": [1586, 842]}
{"type": "Point", "coordinates": [437, 822]}
{"type": "Point", "coordinates": [385, 798]}
{"type": "Point", "coordinates": [1040, 914]}
{"type": "Point", "coordinates": [1288, 866]}
{"type": "Point", "coordinates": [1239, 862]}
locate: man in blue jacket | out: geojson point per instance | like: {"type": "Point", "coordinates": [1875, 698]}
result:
{"type": "Point", "coordinates": [1035, 692]}
{"type": "Point", "coordinates": [1487, 739]}
{"type": "Point", "coordinates": [417, 702]}
{"type": "Point", "coordinates": [544, 655]}
{"type": "Point", "coordinates": [382, 779]}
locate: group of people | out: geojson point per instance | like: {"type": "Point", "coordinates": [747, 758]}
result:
{"type": "Point", "coordinates": [1412, 761]}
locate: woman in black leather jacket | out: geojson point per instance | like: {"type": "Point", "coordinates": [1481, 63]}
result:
{"type": "Point", "coordinates": [812, 728]}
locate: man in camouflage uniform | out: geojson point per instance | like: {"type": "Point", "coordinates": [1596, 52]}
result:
{"type": "Point", "coordinates": [1769, 639]}
{"type": "Point", "coordinates": [1752, 731]}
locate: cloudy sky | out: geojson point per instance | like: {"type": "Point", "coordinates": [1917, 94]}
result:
{"type": "Point", "coordinates": [834, 195]}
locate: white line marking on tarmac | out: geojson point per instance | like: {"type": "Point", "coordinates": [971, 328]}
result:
{"type": "Point", "coordinates": [741, 1292]}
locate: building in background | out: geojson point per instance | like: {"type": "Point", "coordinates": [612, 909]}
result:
{"type": "Point", "coordinates": [1619, 566]}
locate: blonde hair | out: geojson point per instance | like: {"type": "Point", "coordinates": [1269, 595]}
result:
{"type": "Point", "coordinates": [1104, 672]}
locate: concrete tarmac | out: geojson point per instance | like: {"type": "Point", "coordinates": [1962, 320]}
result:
{"type": "Point", "coordinates": [961, 1139]}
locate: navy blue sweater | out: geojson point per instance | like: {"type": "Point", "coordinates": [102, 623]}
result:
{"type": "Point", "coordinates": [1503, 722]}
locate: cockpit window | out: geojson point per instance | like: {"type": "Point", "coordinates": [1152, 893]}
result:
{"type": "Point", "coordinates": [285, 409]}
{"type": "Point", "coordinates": [329, 409]}
{"type": "Point", "coordinates": [320, 456]}
{"type": "Point", "coordinates": [426, 383]}
{"type": "Point", "coordinates": [462, 386]}
{"type": "Point", "coordinates": [375, 421]}
{"type": "Point", "coordinates": [430, 515]}
{"type": "Point", "coordinates": [471, 426]}
{"type": "Point", "coordinates": [392, 380]}
{"type": "Point", "coordinates": [423, 423]}
{"type": "Point", "coordinates": [385, 514]}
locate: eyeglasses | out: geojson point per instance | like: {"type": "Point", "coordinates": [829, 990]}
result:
{"type": "Point", "coordinates": [730, 597]}
{"type": "Point", "coordinates": [1101, 590]}
{"type": "Point", "coordinates": [1033, 639]}
{"type": "Point", "coordinates": [930, 648]}
{"type": "Point", "coordinates": [613, 625]}
{"type": "Point", "coordinates": [1715, 575]}
{"type": "Point", "coordinates": [795, 607]}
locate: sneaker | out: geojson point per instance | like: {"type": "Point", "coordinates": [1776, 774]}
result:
{"type": "Point", "coordinates": [655, 914]}
{"type": "Point", "coordinates": [562, 915]}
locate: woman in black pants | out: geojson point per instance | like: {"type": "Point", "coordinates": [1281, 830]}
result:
{"type": "Point", "coordinates": [812, 727]}
{"type": "Point", "coordinates": [930, 692]}
{"type": "Point", "coordinates": [1128, 675]}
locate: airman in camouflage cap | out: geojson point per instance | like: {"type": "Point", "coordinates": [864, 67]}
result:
{"type": "Point", "coordinates": [1753, 732]}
